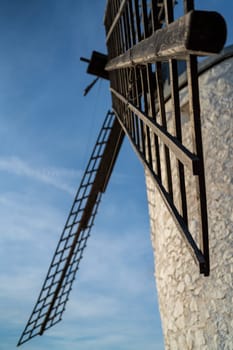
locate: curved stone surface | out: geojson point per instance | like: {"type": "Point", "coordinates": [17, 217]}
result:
{"type": "Point", "coordinates": [197, 311]}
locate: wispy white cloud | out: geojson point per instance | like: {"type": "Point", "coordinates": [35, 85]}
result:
{"type": "Point", "coordinates": [56, 177]}
{"type": "Point", "coordinates": [29, 233]}
{"type": "Point", "coordinates": [112, 293]}
{"type": "Point", "coordinates": [28, 219]}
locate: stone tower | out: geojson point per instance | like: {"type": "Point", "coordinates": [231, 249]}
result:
{"type": "Point", "coordinates": [197, 311]}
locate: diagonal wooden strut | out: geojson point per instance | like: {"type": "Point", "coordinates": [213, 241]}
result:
{"type": "Point", "coordinates": [62, 271]}
{"type": "Point", "coordinates": [196, 253]}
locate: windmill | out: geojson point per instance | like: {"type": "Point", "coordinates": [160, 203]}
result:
{"type": "Point", "coordinates": [145, 43]}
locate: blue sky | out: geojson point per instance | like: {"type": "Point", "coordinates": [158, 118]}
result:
{"type": "Point", "coordinates": [47, 131]}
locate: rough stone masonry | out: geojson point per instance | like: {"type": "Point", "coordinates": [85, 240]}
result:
{"type": "Point", "coordinates": [197, 311]}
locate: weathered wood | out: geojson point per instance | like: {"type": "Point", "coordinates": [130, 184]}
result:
{"type": "Point", "coordinates": [116, 19]}
{"type": "Point", "coordinates": [198, 32]}
{"type": "Point", "coordinates": [183, 154]}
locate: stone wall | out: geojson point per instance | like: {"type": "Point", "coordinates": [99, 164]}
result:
{"type": "Point", "coordinates": [197, 311]}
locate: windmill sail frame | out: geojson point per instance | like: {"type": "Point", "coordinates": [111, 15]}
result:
{"type": "Point", "coordinates": [142, 37]}
{"type": "Point", "coordinates": [58, 283]}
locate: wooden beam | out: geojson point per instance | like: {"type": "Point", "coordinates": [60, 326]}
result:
{"type": "Point", "coordinates": [198, 32]}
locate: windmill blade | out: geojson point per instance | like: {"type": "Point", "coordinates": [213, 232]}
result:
{"type": "Point", "coordinates": [145, 45]}
{"type": "Point", "coordinates": [55, 291]}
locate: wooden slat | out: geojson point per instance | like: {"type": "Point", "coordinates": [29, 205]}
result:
{"type": "Point", "coordinates": [182, 153]}
{"type": "Point", "coordinates": [198, 32]}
